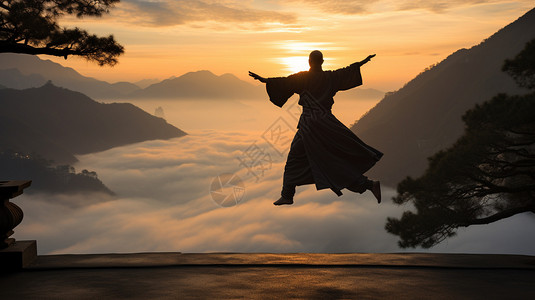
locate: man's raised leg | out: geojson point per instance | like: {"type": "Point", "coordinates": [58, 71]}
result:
{"type": "Point", "coordinates": [363, 184]}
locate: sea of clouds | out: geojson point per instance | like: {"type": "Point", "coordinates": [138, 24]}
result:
{"type": "Point", "coordinates": [165, 202]}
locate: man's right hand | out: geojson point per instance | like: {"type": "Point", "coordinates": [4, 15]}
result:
{"type": "Point", "coordinates": [257, 77]}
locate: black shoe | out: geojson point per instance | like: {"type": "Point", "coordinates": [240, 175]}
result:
{"type": "Point", "coordinates": [376, 190]}
{"type": "Point", "coordinates": [284, 201]}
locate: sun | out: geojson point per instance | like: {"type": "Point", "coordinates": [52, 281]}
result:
{"type": "Point", "coordinates": [294, 64]}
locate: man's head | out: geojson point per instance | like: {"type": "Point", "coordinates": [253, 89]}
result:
{"type": "Point", "coordinates": [315, 59]}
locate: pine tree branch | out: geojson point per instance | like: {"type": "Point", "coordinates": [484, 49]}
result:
{"type": "Point", "coordinates": [6, 47]}
{"type": "Point", "coordinates": [498, 216]}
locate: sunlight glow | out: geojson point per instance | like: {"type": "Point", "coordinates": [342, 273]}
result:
{"type": "Point", "coordinates": [300, 47]}
{"type": "Point", "coordinates": [295, 64]}
{"type": "Point", "coordinates": [268, 36]}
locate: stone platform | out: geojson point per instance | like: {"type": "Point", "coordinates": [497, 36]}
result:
{"type": "Point", "coordinates": [273, 276]}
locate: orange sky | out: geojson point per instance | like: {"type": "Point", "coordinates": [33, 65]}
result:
{"type": "Point", "coordinates": [165, 38]}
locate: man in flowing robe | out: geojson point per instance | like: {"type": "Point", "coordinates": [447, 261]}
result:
{"type": "Point", "coordinates": [324, 151]}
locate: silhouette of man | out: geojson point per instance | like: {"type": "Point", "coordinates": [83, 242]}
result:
{"type": "Point", "coordinates": [324, 151]}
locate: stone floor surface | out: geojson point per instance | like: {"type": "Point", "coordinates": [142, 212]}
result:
{"type": "Point", "coordinates": [273, 276]}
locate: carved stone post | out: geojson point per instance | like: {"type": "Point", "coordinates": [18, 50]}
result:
{"type": "Point", "coordinates": [14, 255]}
{"type": "Point", "coordinates": [10, 214]}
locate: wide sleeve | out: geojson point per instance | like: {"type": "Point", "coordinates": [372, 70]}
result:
{"type": "Point", "coordinates": [280, 89]}
{"type": "Point", "coordinates": [348, 77]}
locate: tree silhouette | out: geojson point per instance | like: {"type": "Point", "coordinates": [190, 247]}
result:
{"type": "Point", "coordinates": [30, 27]}
{"type": "Point", "coordinates": [522, 67]}
{"type": "Point", "coordinates": [486, 176]}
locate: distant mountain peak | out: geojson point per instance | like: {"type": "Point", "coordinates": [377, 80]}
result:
{"type": "Point", "coordinates": [202, 84]}
{"type": "Point", "coordinates": [230, 76]}
{"type": "Point", "coordinates": [198, 74]}
{"type": "Point", "coordinates": [48, 84]}
{"type": "Point", "coordinates": [30, 71]}
{"type": "Point", "coordinates": [203, 72]}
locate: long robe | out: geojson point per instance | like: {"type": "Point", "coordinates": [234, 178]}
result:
{"type": "Point", "coordinates": [324, 151]}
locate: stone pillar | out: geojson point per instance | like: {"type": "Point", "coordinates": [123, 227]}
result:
{"type": "Point", "coordinates": [14, 255]}
{"type": "Point", "coordinates": [10, 214]}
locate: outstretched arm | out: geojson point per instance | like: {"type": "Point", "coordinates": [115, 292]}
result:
{"type": "Point", "coordinates": [257, 77]}
{"type": "Point", "coordinates": [350, 76]}
{"type": "Point", "coordinates": [367, 59]}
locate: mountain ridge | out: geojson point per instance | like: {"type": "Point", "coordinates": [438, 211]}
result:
{"type": "Point", "coordinates": [21, 71]}
{"type": "Point", "coordinates": [424, 116]}
{"type": "Point", "coordinates": [57, 123]}
{"type": "Point", "coordinates": [30, 65]}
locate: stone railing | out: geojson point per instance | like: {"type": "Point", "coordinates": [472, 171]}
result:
{"type": "Point", "coordinates": [10, 214]}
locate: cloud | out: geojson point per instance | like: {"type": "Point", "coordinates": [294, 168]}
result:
{"type": "Point", "coordinates": [164, 204]}
{"type": "Point", "coordinates": [339, 6]}
{"type": "Point", "coordinates": [439, 6]}
{"type": "Point", "coordinates": [377, 6]}
{"type": "Point", "coordinates": [179, 12]}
